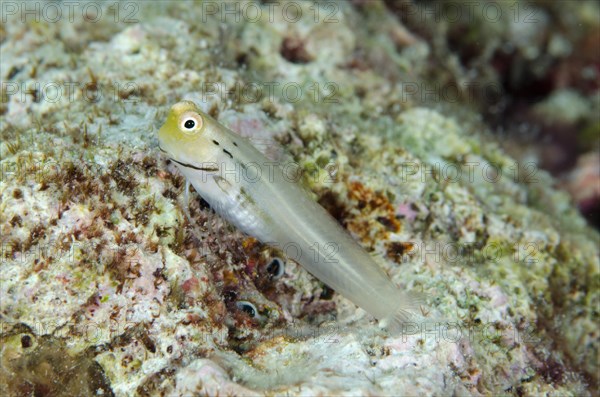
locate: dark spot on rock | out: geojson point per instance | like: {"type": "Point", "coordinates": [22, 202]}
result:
{"type": "Point", "coordinates": [334, 206]}
{"type": "Point", "coordinates": [158, 272]}
{"type": "Point", "coordinates": [229, 295]}
{"type": "Point", "coordinates": [16, 221]}
{"type": "Point", "coordinates": [204, 204]}
{"type": "Point", "coordinates": [171, 194]}
{"type": "Point", "coordinates": [123, 177]}
{"type": "Point", "coordinates": [242, 59]}
{"type": "Point", "coordinates": [389, 224]}
{"type": "Point", "coordinates": [397, 250]}
{"type": "Point", "coordinates": [26, 341]}
{"type": "Point", "coordinates": [13, 72]}
{"type": "Point", "coordinates": [327, 293]}
{"type": "Point", "coordinates": [35, 94]}
{"type": "Point", "coordinates": [148, 343]}
{"type": "Point", "coordinates": [18, 194]}
{"type": "Point", "coordinates": [293, 50]}
{"type": "Point", "coordinates": [149, 165]}
{"type": "Point", "coordinates": [552, 371]}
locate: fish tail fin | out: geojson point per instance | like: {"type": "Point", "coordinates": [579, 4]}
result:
{"type": "Point", "coordinates": [407, 310]}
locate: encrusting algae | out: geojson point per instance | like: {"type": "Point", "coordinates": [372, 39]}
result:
{"type": "Point", "coordinates": [112, 283]}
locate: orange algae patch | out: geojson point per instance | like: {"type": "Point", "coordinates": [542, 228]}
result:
{"type": "Point", "coordinates": [380, 214]}
{"type": "Point", "coordinates": [398, 250]}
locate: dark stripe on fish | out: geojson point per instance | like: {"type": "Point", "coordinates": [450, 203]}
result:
{"type": "Point", "coordinates": [211, 169]}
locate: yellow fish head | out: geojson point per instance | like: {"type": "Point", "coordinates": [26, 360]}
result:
{"type": "Point", "coordinates": [184, 136]}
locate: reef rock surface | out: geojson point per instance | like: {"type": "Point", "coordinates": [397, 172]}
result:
{"type": "Point", "coordinates": [107, 287]}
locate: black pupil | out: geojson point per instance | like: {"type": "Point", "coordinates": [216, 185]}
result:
{"type": "Point", "coordinates": [189, 124]}
{"type": "Point", "coordinates": [274, 266]}
{"type": "Point", "coordinates": [249, 309]}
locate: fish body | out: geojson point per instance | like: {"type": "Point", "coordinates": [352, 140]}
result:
{"type": "Point", "coordinates": [260, 198]}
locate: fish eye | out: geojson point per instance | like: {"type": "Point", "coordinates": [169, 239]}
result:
{"type": "Point", "coordinates": [191, 123]}
{"type": "Point", "coordinates": [276, 267]}
{"type": "Point", "coordinates": [247, 307]}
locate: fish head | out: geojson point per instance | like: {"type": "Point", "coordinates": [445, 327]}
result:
{"type": "Point", "coordinates": [185, 135]}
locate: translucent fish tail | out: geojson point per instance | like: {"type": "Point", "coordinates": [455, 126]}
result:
{"type": "Point", "coordinates": [407, 310]}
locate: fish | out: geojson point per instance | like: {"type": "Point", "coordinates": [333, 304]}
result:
{"type": "Point", "coordinates": [256, 195]}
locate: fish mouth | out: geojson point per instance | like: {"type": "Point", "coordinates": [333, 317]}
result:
{"type": "Point", "coordinates": [195, 167]}
{"type": "Point", "coordinates": [186, 165]}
